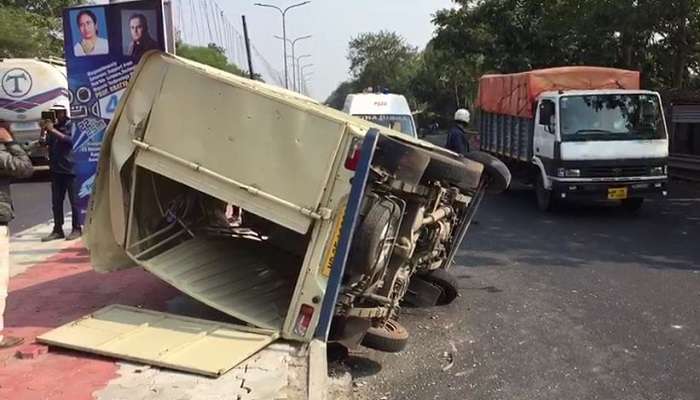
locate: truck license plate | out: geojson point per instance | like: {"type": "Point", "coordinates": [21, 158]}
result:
{"type": "Point", "coordinates": [617, 193]}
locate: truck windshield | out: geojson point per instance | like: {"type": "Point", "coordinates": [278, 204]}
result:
{"type": "Point", "coordinates": [401, 123]}
{"type": "Point", "coordinates": [611, 117]}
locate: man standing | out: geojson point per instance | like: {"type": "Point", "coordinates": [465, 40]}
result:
{"type": "Point", "coordinates": [457, 136]}
{"type": "Point", "coordinates": [141, 40]}
{"type": "Point", "coordinates": [14, 163]}
{"type": "Point", "coordinates": [58, 138]}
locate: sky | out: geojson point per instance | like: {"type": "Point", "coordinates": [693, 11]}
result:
{"type": "Point", "coordinates": [333, 23]}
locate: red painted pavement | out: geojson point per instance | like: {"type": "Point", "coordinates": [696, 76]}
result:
{"type": "Point", "coordinates": [52, 293]}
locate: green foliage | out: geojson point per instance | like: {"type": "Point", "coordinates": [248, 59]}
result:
{"type": "Point", "coordinates": [658, 38]}
{"type": "Point", "coordinates": [211, 55]}
{"type": "Point", "coordinates": [378, 60]}
{"type": "Point", "coordinates": [337, 98]}
{"type": "Point", "coordinates": [381, 59]}
{"type": "Point", "coordinates": [31, 28]}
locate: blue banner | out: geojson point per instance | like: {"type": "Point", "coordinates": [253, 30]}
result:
{"type": "Point", "coordinates": [103, 45]}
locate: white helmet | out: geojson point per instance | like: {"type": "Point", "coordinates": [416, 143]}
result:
{"type": "Point", "coordinates": [462, 115]}
{"type": "Point", "coordinates": [61, 107]}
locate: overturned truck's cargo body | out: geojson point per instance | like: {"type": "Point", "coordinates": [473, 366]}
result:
{"type": "Point", "coordinates": [189, 142]}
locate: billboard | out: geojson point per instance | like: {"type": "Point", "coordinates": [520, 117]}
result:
{"type": "Point", "coordinates": [103, 45]}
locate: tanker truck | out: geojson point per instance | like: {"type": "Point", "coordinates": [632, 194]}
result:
{"type": "Point", "coordinates": [577, 133]}
{"type": "Point", "coordinates": [28, 87]}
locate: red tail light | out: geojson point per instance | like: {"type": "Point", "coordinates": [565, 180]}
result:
{"type": "Point", "coordinates": [303, 320]}
{"type": "Point", "coordinates": [353, 157]}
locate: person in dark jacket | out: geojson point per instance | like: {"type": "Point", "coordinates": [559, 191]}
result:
{"type": "Point", "coordinates": [57, 135]}
{"type": "Point", "coordinates": [14, 163]}
{"type": "Point", "coordinates": [457, 140]}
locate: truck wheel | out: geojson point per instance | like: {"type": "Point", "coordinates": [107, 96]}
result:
{"type": "Point", "coordinates": [390, 338]}
{"type": "Point", "coordinates": [545, 200]}
{"type": "Point", "coordinates": [445, 281]}
{"type": "Point", "coordinates": [632, 205]}
{"type": "Point", "coordinates": [499, 175]}
{"type": "Point", "coordinates": [374, 240]}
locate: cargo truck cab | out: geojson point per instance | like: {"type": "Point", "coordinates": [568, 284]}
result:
{"type": "Point", "coordinates": [600, 145]}
{"type": "Point", "coordinates": [577, 133]}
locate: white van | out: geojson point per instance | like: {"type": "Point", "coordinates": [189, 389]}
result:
{"type": "Point", "coordinates": [390, 110]}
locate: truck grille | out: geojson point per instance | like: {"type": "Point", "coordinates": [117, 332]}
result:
{"type": "Point", "coordinates": [608, 172]}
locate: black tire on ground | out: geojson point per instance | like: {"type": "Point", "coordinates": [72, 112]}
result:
{"type": "Point", "coordinates": [390, 338]}
{"type": "Point", "coordinates": [379, 224]}
{"type": "Point", "coordinates": [632, 205]}
{"type": "Point", "coordinates": [447, 282]}
{"type": "Point", "coordinates": [495, 169]}
{"type": "Point", "coordinates": [545, 199]}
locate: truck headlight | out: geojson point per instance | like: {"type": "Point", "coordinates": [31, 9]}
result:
{"type": "Point", "coordinates": [658, 171]}
{"type": "Point", "coordinates": [569, 173]}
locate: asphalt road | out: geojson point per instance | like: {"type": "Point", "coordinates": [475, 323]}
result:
{"type": "Point", "coordinates": [32, 202]}
{"type": "Point", "coordinates": [587, 303]}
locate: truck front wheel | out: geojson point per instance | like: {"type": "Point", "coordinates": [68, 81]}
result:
{"type": "Point", "coordinates": [545, 199]}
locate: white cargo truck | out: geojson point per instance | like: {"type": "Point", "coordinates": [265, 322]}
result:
{"type": "Point", "coordinates": [340, 216]}
{"type": "Point", "coordinates": [577, 133]}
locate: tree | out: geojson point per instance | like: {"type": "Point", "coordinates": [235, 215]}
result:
{"type": "Point", "coordinates": [337, 98]}
{"type": "Point", "coordinates": [381, 59]}
{"type": "Point", "coordinates": [211, 55]}
{"type": "Point", "coordinates": [658, 38]}
{"type": "Point", "coordinates": [31, 28]}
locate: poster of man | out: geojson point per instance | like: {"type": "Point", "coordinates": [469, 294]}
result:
{"type": "Point", "coordinates": [89, 32]}
{"type": "Point", "coordinates": [136, 32]}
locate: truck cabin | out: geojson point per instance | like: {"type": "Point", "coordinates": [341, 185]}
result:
{"type": "Point", "coordinates": [578, 116]}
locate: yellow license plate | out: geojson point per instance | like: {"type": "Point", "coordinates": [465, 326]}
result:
{"type": "Point", "coordinates": [617, 193]}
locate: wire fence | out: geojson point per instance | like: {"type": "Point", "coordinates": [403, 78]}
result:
{"type": "Point", "coordinates": [200, 22]}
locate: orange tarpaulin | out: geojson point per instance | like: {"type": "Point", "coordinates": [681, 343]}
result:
{"type": "Point", "coordinates": [514, 94]}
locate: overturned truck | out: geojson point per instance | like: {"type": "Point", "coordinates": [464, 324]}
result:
{"type": "Point", "coordinates": [338, 219]}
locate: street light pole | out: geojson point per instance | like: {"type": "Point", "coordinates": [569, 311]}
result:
{"type": "Point", "coordinates": [306, 82]}
{"type": "Point", "coordinates": [284, 32]}
{"type": "Point", "coordinates": [302, 76]}
{"type": "Point", "coordinates": [294, 63]}
{"type": "Point", "coordinates": [298, 61]}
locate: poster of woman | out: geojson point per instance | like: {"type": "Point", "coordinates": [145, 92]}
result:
{"type": "Point", "coordinates": [89, 32]}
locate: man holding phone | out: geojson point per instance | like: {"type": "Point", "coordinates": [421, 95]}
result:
{"type": "Point", "coordinates": [14, 163]}
{"type": "Point", "coordinates": [57, 135]}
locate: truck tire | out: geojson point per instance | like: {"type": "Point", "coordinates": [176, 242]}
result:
{"type": "Point", "coordinates": [445, 281]}
{"type": "Point", "coordinates": [391, 337]}
{"type": "Point", "coordinates": [374, 240]}
{"type": "Point", "coordinates": [632, 205]}
{"type": "Point", "coordinates": [545, 199]}
{"type": "Point", "coordinates": [498, 173]}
